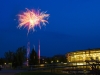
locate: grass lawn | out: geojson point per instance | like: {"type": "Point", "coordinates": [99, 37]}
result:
{"type": "Point", "coordinates": [38, 73]}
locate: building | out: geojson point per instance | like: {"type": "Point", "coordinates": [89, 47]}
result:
{"type": "Point", "coordinates": [83, 59]}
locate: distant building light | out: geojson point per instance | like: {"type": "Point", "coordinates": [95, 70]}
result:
{"type": "Point", "coordinates": [45, 62]}
{"type": "Point", "coordinates": [42, 65]}
{"type": "Point", "coordinates": [51, 61]}
{"type": "Point", "coordinates": [61, 62]}
{"type": "Point", "coordinates": [65, 63]}
{"type": "Point", "coordinates": [57, 60]}
{"type": "Point", "coordinates": [80, 63]}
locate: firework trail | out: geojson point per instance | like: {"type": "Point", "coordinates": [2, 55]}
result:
{"type": "Point", "coordinates": [28, 49]}
{"type": "Point", "coordinates": [39, 53]}
{"type": "Point", "coordinates": [32, 19]}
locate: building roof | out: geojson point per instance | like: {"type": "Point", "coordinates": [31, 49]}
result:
{"type": "Point", "coordinates": [85, 50]}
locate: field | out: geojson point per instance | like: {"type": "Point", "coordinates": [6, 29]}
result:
{"type": "Point", "coordinates": [38, 73]}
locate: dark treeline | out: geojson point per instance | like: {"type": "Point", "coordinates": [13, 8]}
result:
{"type": "Point", "coordinates": [16, 58]}
{"type": "Point", "coordinates": [20, 56]}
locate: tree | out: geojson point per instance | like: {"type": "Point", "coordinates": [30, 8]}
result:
{"type": "Point", "coordinates": [19, 56]}
{"type": "Point", "coordinates": [9, 56]}
{"type": "Point", "coordinates": [2, 61]}
{"type": "Point", "coordinates": [15, 61]}
{"type": "Point", "coordinates": [33, 58]}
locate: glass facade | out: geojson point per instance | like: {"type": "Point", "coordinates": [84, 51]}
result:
{"type": "Point", "coordinates": [79, 58]}
{"type": "Point", "coordinates": [82, 56]}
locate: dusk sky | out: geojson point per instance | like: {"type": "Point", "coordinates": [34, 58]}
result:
{"type": "Point", "coordinates": [73, 25]}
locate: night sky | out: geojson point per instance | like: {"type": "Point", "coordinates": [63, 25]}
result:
{"type": "Point", "coordinates": [73, 25]}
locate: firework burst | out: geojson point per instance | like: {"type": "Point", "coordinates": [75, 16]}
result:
{"type": "Point", "coordinates": [32, 18]}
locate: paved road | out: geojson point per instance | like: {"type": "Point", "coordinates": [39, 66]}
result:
{"type": "Point", "coordinates": [10, 72]}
